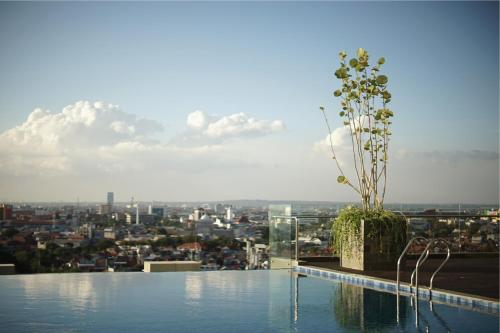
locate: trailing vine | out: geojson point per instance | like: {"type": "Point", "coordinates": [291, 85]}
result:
{"type": "Point", "coordinates": [385, 227]}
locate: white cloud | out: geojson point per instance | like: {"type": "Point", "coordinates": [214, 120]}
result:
{"type": "Point", "coordinates": [232, 126]}
{"type": "Point", "coordinates": [97, 137]}
{"type": "Point", "coordinates": [83, 124]}
{"type": "Point", "coordinates": [197, 120]}
{"type": "Point", "coordinates": [339, 138]}
{"type": "Point", "coordinates": [50, 143]}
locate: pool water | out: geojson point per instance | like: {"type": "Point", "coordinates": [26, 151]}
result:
{"type": "Point", "coordinates": [223, 301]}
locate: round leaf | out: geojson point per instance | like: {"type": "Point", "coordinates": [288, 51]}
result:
{"type": "Point", "coordinates": [342, 180]}
{"type": "Point", "coordinates": [361, 53]}
{"type": "Point", "coordinates": [382, 79]}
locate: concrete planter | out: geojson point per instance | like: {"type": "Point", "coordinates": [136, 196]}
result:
{"type": "Point", "coordinates": [363, 254]}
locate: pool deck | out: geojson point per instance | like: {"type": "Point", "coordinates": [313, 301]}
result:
{"type": "Point", "coordinates": [475, 276]}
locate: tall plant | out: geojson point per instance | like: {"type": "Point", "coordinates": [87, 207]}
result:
{"type": "Point", "coordinates": [364, 100]}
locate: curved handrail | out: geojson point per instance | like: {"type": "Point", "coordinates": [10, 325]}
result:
{"type": "Point", "coordinates": [442, 264]}
{"type": "Point", "coordinates": [398, 281]}
{"type": "Point", "coordinates": [420, 262]}
{"type": "Point", "coordinates": [413, 273]}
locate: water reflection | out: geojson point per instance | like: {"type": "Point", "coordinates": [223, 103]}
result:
{"type": "Point", "coordinates": [359, 308]}
{"type": "Point", "coordinates": [253, 301]}
{"type": "Point", "coordinates": [193, 287]}
{"type": "Point", "coordinates": [77, 293]}
{"type": "Point", "coordinates": [350, 308]}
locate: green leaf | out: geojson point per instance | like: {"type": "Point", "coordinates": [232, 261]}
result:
{"type": "Point", "coordinates": [353, 62]}
{"type": "Point", "coordinates": [342, 55]}
{"type": "Point", "coordinates": [342, 180]}
{"type": "Point", "coordinates": [361, 53]}
{"type": "Point", "coordinates": [342, 113]}
{"type": "Point", "coordinates": [382, 79]}
{"type": "Point", "coordinates": [341, 73]}
{"type": "Point", "coordinates": [337, 93]}
{"type": "Point", "coordinates": [381, 61]}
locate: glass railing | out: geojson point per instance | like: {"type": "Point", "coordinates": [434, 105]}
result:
{"type": "Point", "coordinates": [465, 233]}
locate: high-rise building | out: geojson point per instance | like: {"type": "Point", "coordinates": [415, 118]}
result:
{"type": "Point", "coordinates": [198, 213]}
{"type": "Point", "coordinates": [111, 199]}
{"type": "Point", "coordinates": [229, 214]}
{"type": "Point", "coordinates": [218, 208]}
{"type": "Point", "coordinates": [5, 212]}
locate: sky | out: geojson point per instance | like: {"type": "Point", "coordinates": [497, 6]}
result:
{"type": "Point", "coordinates": [207, 101]}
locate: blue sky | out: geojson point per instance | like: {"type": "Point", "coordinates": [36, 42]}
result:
{"type": "Point", "coordinates": [269, 61]}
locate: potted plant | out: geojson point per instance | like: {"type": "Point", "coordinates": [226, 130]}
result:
{"type": "Point", "coordinates": [366, 237]}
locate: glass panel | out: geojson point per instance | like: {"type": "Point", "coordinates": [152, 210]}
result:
{"type": "Point", "coordinates": [281, 234]}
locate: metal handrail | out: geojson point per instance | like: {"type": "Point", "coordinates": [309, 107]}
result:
{"type": "Point", "coordinates": [420, 262]}
{"type": "Point", "coordinates": [398, 282]}
{"type": "Point", "coordinates": [415, 270]}
{"type": "Point", "coordinates": [440, 266]}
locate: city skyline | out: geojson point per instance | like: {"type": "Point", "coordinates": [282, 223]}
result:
{"type": "Point", "coordinates": [219, 101]}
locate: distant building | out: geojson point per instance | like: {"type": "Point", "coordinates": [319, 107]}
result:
{"type": "Point", "coordinates": [5, 212]}
{"type": "Point", "coordinates": [104, 209]}
{"type": "Point", "coordinates": [109, 233]}
{"type": "Point", "coordinates": [197, 214]}
{"type": "Point", "coordinates": [218, 208]}
{"type": "Point", "coordinates": [129, 218]}
{"type": "Point", "coordinates": [189, 247]}
{"type": "Point", "coordinates": [243, 219]}
{"type": "Point", "coordinates": [229, 214]}
{"type": "Point", "coordinates": [111, 199]}
{"type": "Point", "coordinates": [158, 211]}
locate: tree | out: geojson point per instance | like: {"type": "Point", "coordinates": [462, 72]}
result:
{"type": "Point", "coordinates": [364, 111]}
{"type": "Point", "coordinates": [10, 232]}
{"type": "Point", "coordinates": [103, 244]}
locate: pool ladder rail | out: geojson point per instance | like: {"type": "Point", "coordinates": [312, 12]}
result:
{"type": "Point", "coordinates": [423, 257]}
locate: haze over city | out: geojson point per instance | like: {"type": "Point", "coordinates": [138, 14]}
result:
{"type": "Point", "coordinates": [137, 99]}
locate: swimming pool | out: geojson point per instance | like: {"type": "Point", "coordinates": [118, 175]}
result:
{"type": "Point", "coordinates": [220, 301]}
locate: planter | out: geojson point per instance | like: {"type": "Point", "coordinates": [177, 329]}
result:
{"type": "Point", "coordinates": [369, 241]}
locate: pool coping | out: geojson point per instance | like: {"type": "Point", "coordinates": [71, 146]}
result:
{"type": "Point", "coordinates": [453, 298]}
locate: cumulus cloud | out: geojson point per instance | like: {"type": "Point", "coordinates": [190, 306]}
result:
{"type": "Point", "coordinates": [235, 125]}
{"type": "Point", "coordinates": [52, 142]}
{"type": "Point", "coordinates": [198, 120]}
{"type": "Point", "coordinates": [83, 124]}
{"type": "Point", "coordinates": [339, 138]}
{"type": "Point", "coordinates": [100, 137]}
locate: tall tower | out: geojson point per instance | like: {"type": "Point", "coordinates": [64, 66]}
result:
{"type": "Point", "coordinates": [111, 199]}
